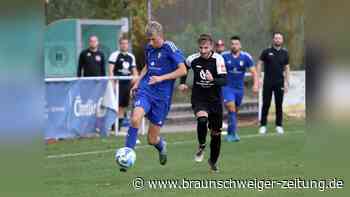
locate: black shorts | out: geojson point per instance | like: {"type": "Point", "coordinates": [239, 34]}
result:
{"type": "Point", "coordinates": [124, 95]}
{"type": "Point", "coordinates": [215, 113]}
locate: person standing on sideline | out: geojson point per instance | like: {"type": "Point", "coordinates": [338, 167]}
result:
{"type": "Point", "coordinates": [123, 63]}
{"type": "Point", "coordinates": [91, 60]}
{"type": "Point", "coordinates": [237, 63]}
{"type": "Point", "coordinates": [276, 80]}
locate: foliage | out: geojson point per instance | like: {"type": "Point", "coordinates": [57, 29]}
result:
{"type": "Point", "coordinates": [254, 20]}
{"type": "Point", "coordinates": [136, 10]}
{"type": "Point", "coordinates": [288, 17]}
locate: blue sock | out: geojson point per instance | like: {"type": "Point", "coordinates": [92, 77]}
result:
{"type": "Point", "coordinates": [160, 145]}
{"type": "Point", "coordinates": [232, 123]}
{"type": "Point", "coordinates": [131, 138]}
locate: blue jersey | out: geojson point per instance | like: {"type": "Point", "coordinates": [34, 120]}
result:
{"type": "Point", "coordinates": [236, 68]}
{"type": "Point", "coordinates": [161, 61]}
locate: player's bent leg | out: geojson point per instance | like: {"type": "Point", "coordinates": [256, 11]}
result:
{"type": "Point", "coordinates": [131, 137]}
{"type": "Point", "coordinates": [136, 119]}
{"type": "Point", "coordinates": [158, 142]}
{"type": "Point", "coordinates": [232, 135]}
{"type": "Point", "coordinates": [202, 130]}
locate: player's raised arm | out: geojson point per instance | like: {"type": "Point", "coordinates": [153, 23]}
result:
{"type": "Point", "coordinates": [183, 86]}
{"type": "Point", "coordinates": [177, 58]}
{"type": "Point", "coordinates": [179, 72]}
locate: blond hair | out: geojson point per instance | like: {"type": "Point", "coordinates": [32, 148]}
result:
{"type": "Point", "coordinates": [154, 28]}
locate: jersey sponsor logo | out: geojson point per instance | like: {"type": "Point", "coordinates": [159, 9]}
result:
{"type": "Point", "coordinates": [155, 68]}
{"type": "Point", "coordinates": [236, 71]}
{"type": "Point", "coordinates": [125, 69]}
{"type": "Point", "coordinates": [271, 54]}
{"type": "Point", "coordinates": [126, 65]}
{"type": "Point", "coordinates": [205, 84]}
{"type": "Point", "coordinates": [98, 58]}
{"type": "Point", "coordinates": [241, 63]}
{"type": "Point", "coordinates": [137, 103]}
{"type": "Point", "coordinates": [203, 75]}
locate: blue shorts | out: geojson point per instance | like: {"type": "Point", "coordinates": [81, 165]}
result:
{"type": "Point", "coordinates": [232, 95]}
{"type": "Point", "coordinates": [156, 110]}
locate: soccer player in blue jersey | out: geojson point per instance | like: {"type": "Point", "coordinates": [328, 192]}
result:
{"type": "Point", "coordinates": [153, 90]}
{"type": "Point", "coordinates": [237, 63]}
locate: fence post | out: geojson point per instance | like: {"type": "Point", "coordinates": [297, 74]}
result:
{"type": "Point", "coordinates": [260, 98]}
{"type": "Point", "coordinates": [116, 124]}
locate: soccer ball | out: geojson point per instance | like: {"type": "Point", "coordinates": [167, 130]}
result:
{"type": "Point", "coordinates": [125, 157]}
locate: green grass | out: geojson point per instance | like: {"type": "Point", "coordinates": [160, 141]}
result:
{"type": "Point", "coordinates": [267, 157]}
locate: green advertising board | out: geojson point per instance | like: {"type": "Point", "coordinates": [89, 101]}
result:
{"type": "Point", "coordinates": [65, 39]}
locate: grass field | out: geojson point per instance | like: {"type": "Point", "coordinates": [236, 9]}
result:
{"type": "Point", "coordinates": [78, 168]}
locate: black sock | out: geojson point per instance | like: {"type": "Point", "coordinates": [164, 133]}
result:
{"type": "Point", "coordinates": [215, 145]}
{"type": "Point", "coordinates": [120, 122]}
{"type": "Point", "coordinates": [202, 130]}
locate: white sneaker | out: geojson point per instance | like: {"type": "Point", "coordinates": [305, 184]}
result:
{"type": "Point", "coordinates": [198, 157]}
{"type": "Point", "coordinates": [224, 125]}
{"type": "Point", "coordinates": [262, 130]}
{"type": "Point", "coordinates": [279, 130]}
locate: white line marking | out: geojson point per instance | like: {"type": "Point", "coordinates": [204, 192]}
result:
{"type": "Point", "coordinates": [146, 146]}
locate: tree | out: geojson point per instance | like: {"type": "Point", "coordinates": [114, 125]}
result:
{"type": "Point", "coordinates": [288, 17]}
